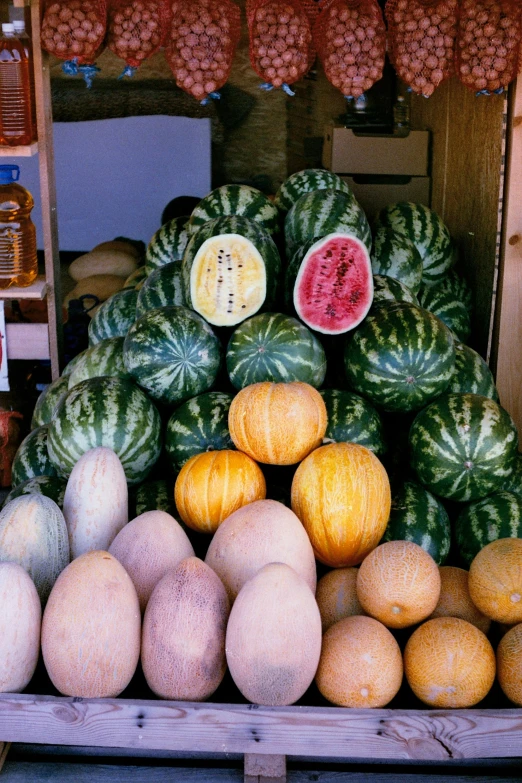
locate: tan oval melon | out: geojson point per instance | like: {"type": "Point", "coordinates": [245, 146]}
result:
{"type": "Point", "coordinates": [148, 547]}
{"type": "Point", "coordinates": [495, 580]}
{"type": "Point", "coordinates": [95, 505]}
{"type": "Point", "coordinates": [337, 596]}
{"type": "Point", "coordinates": [33, 534]}
{"type": "Point", "coordinates": [20, 621]}
{"type": "Point", "coordinates": [273, 639]}
{"type": "Point", "coordinates": [509, 664]}
{"type": "Point", "coordinates": [122, 245]}
{"type": "Point", "coordinates": [103, 261]}
{"type": "Point", "coordinates": [262, 532]}
{"type": "Point", "coordinates": [100, 286]}
{"type": "Point", "coordinates": [91, 628]}
{"type": "Point", "coordinates": [183, 643]}
{"type": "Point", "coordinates": [455, 600]}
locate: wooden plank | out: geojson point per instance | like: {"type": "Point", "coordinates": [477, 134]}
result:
{"type": "Point", "coordinates": [263, 768]}
{"type": "Point", "coordinates": [4, 750]}
{"type": "Point", "coordinates": [246, 728]}
{"type": "Point", "coordinates": [27, 341]}
{"type": "Point", "coordinates": [25, 151]}
{"type": "Point", "coordinates": [36, 290]}
{"type": "Point", "coordinates": [30, 772]}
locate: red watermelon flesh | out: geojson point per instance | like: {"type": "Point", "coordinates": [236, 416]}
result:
{"type": "Point", "coordinates": [334, 286]}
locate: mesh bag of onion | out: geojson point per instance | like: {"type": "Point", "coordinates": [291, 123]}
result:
{"type": "Point", "coordinates": [350, 38]}
{"type": "Point", "coordinates": [136, 29]}
{"type": "Point", "coordinates": [201, 44]}
{"type": "Point", "coordinates": [280, 35]}
{"type": "Point", "coordinates": [422, 37]}
{"type": "Point", "coordinates": [488, 44]}
{"type": "Point", "coordinates": [74, 30]}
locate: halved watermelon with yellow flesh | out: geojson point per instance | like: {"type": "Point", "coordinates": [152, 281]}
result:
{"type": "Point", "coordinates": [333, 289]}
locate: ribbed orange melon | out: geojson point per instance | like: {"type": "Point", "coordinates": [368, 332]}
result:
{"type": "Point", "coordinates": [360, 665]}
{"type": "Point", "coordinates": [455, 600]}
{"type": "Point", "coordinates": [509, 664]}
{"type": "Point", "coordinates": [449, 663]}
{"type": "Point", "coordinates": [341, 494]}
{"type": "Point", "coordinates": [495, 580]}
{"type": "Point", "coordinates": [398, 584]}
{"type": "Point", "coordinates": [212, 485]}
{"type": "Point", "coordinates": [277, 423]}
{"type": "Point", "coordinates": [20, 621]}
{"type": "Point", "coordinates": [336, 596]}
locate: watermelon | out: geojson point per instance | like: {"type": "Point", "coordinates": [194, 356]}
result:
{"type": "Point", "coordinates": [162, 288]}
{"type": "Point", "coordinates": [463, 446]}
{"type": "Point", "coordinates": [236, 200]}
{"type": "Point", "coordinates": [392, 290]}
{"type": "Point", "coordinates": [324, 212]}
{"type": "Point", "coordinates": [442, 302]}
{"type": "Point", "coordinates": [51, 486]}
{"type": "Point", "coordinates": [200, 424]}
{"type": "Point", "coordinates": [304, 182]}
{"type": "Point", "coordinates": [172, 353]}
{"type": "Point", "coordinates": [427, 232]}
{"type": "Point", "coordinates": [400, 358]}
{"type": "Point", "coordinates": [48, 400]}
{"type": "Point", "coordinates": [109, 412]}
{"type": "Point", "coordinates": [352, 419]}
{"type": "Point", "coordinates": [136, 279]}
{"type": "Point", "coordinates": [497, 516]}
{"type": "Point", "coordinates": [32, 458]}
{"type": "Point", "coordinates": [514, 482]}
{"type": "Point", "coordinates": [69, 367]}
{"type": "Point", "coordinates": [231, 269]}
{"type": "Point", "coordinates": [104, 358]}
{"type": "Point", "coordinates": [472, 374]}
{"type": "Point", "coordinates": [115, 316]}
{"type": "Point", "coordinates": [416, 515]}
{"type": "Point", "coordinates": [155, 496]}
{"type": "Point", "coordinates": [394, 255]}
{"type": "Point", "coordinates": [274, 347]}
{"type": "Point", "coordinates": [168, 244]}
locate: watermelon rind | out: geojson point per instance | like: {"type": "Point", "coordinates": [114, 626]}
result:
{"type": "Point", "coordinates": [69, 367]}
{"type": "Point", "coordinates": [155, 496]}
{"type": "Point", "coordinates": [352, 419]}
{"type": "Point", "coordinates": [136, 279]}
{"type": "Point", "coordinates": [104, 358]}
{"type": "Point", "coordinates": [162, 288]}
{"type": "Point", "coordinates": [463, 446]}
{"type": "Point", "coordinates": [472, 374]}
{"type": "Point", "coordinates": [115, 316]}
{"type": "Point", "coordinates": [277, 348]}
{"type": "Point", "coordinates": [394, 255]}
{"type": "Point", "coordinates": [51, 486]}
{"type": "Point", "coordinates": [514, 482]}
{"type": "Point", "coordinates": [168, 243]}
{"type": "Point", "coordinates": [305, 181]}
{"type": "Point", "coordinates": [48, 401]}
{"type": "Point", "coordinates": [109, 412]}
{"type": "Point", "coordinates": [388, 289]}
{"type": "Point", "coordinates": [32, 457]}
{"type": "Point", "coordinates": [442, 302]}
{"type": "Point", "coordinates": [499, 515]}
{"type": "Point", "coordinates": [236, 200]}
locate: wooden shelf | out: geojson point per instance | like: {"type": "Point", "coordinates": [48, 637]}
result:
{"type": "Point", "coordinates": [36, 290]}
{"type": "Point", "coordinates": [27, 341]}
{"type": "Point", "coordinates": [26, 151]}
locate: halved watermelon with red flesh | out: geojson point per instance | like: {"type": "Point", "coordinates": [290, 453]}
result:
{"type": "Point", "coordinates": [333, 289]}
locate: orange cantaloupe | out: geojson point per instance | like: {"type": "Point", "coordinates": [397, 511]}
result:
{"type": "Point", "coordinates": [455, 600]}
{"type": "Point", "coordinates": [20, 621]}
{"type": "Point", "coordinates": [509, 664]}
{"type": "Point", "coordinates": [336, 596]}
{"type": "Point", "coordinates": [495, 580]}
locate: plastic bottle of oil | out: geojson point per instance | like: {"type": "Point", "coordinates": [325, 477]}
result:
{"type": "Point", "coordinates": [16, 125]}
{"type": "Point", "coordinates": [25, 40]}
{"type": "Point", "coordinates": [18, 258]}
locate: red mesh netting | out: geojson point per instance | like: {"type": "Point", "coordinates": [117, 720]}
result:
{"type": "Point", "coordinates": [350, 38]}
{"type": "Point", "coordinates": [9, 442]}
{"type": "Point", "coordinates": [74, 29]}
{"type": "Point", "coordinates": [281, 49]}
{"type": "Point", "coordinates": [201, 44]}
{"type": "Point", "coordinates": [422, 41]}
{"type": "Point", "coordinates": [136, 28]}
{"type": "Point", "coordinates": [488, 43]}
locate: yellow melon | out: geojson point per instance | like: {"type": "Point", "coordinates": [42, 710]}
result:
{"type": "Point", "coordinates": [509, 664]}
{"type": "Point", "coordinates": [448, 662]}
{"type": "Point", "coordinates": [398, 584]}
{"type": "Point", "coordinates": [495, 580]}
{"type": "Point", "coordinates": [455, 600]}
{"type": "Point", "coordinates": [336, 596]}
{"type": "Point", "coordinates": [103, 261]}
{"type": "Point", "coordinates": [361, 664]}
{"type": "Point", "coordinates": [20, 620]}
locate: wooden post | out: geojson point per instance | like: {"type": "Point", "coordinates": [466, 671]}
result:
{"type": "Point", "coordinates": [264, 768]}
{"type": "Point", "coordinates": [4, 750]}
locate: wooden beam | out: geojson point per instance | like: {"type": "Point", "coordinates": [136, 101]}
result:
{"type": "Point", "coordinates": [4, 750]}
{"type": "Point", "coordinates": [261, 768]}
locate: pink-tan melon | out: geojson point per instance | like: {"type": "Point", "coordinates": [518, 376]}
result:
{"type": "Point", "coordinates": [148, 547]}
{"type": "Point", "coordinates": [91, 628]}
{"type": "Point", "coordinates": [20, 621]}
{"type": "Point", "coordinates": [509, 664]}
{"type": "Point", "coordinates": [455, 600]}
{"type": "Point", "coordinates": [183, 644]}
{"type": "Point", "coordinates": [273, 639]}
{"type": "Point", "coordinates": [337, 596]}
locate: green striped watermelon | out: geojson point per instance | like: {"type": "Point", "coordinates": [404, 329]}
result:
{"type": "Point", "coordinates": [400, 358]}
{"type": "Point", "coordinates": [109, 412]}
{"type": "Point", "coordinates": [51, 486]}
{"type": "Point", "coordinates": [69, 367]}
{"type": "Point", "coordinates": [472, 374]}
{"type": "Point", "coordinates": [352, 419]}
{"type": "Point", "coordinates": [304, 182]}
{"type": "Point", "coordinates": [394, 255]}
{"type": "Point", "coordinates": [497, 516]}
{"type": "Point", "coordinates": [514, 482]}
{"type": "Point", "coordinates": [463, 446]}
{"type": "Point", "coordinates": [155, 496]}
{"type": "Point", "coordinates": [323, 212]}
{"type": "Point", "coordinates": [274, 347]}
{"type": "Point", "coordinates": [388, 289]}
{"type": "Point", "coordinates": [32, 458]}
{"type": "Point", "coordinates": [136, 279]}
{"type": "Point", "coordinates": [168, 244]}
{"type": "Point", "coordinates": [440, 301]}
{"type": "Point", "coordinates": [172, 353]}
{"type": "Point", "coordinates": [231, 269]}
{"type": "Point", "coordinates": [48, 400]}
{"type": "Point", "coordinates": [416, 515]}
{"type": "Point", "coordinates": [115, 316]}
{"type": "Point", "coordinates": [200, 424]}
{"type": "Point", "coordinates": [238, 200]}
{"type": "Point", "coordinates": [104, 358]}
{"type": "Point", "coordinates": [457, 286]}
{"type": "Point", "coordinates": [162, 288]}
{"type": "Point", "coordinates": [428, 233]}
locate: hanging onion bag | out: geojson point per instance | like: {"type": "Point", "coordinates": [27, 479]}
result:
{"type": "Point", "coordinates": [136, 30]}
{"type": "Point", "coordinates": [74, 31]}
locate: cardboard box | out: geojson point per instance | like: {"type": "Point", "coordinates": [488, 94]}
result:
{"type": "Point", "coordinates": [376, 194]}
{"type": "Point", "coordinates": [346, 152]}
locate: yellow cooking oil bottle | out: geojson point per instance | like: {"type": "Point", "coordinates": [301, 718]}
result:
{"type": "Point", "coordinates": [18, 257]}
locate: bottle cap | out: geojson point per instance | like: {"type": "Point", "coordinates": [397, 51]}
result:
{"type": "Point", "coordinates": [7, 27]}
{"type": "Point", "coordinates": [7, 174]}
{"type": "Point", "coordinates": [19, 25]}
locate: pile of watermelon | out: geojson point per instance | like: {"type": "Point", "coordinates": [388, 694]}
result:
{"type": "Point", "coordinates": [298, 288]}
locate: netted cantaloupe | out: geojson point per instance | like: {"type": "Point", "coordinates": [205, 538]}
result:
{"type": "Point", "coordinates": [509, 664]}
{"type": "Point", "coordinates": [455, 600]}
{"type": "Point", "coordinates": [183, 643]}
{"type": "Point", "coordinates": [336, 596]}
{"type": "Point", "coordinates": [398, 584]}
{"type": "Point", "coordinates": [448, 662]}
{"type": "Point", "coordinates": [273, 640]}
{"type": "Point", "coordinates": [262, 532]}
{"type": "Point", "coordinates": [20, 620]}
{"type": "Point", "coordinates": [148, 547]}
{"type": "Point", "coordinates": [91, 628]}
{"type": "Point", "coordinates": [495, 580]}
{"type": "Point", "coordinates": [361, 664]}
